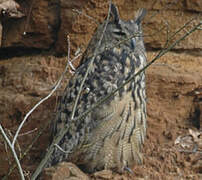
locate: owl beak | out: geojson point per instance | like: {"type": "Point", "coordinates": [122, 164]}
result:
{"type": "Point", "coordinates": [133, 43]}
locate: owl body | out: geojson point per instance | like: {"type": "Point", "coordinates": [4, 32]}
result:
{"type": "Point", "coordinates": [110, 136]}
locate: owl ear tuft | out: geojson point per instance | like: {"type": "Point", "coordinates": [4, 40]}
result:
{"type": "Point", "coordinates": [114, 13]}
{"type": "Point", "coordinates": [140, 15]}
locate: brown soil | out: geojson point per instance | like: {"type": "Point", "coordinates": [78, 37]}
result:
{"type": "Point", "coordinates": [172, 104]}
{"type": "Point", "coordinates": [174, 90]}
{"type": "Point", "coordinates": [171, 83]}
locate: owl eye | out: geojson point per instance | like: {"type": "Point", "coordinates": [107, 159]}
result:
{"type": "Point", "coordinates": [120, 33]}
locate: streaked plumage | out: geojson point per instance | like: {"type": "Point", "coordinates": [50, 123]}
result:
{"type": "Point", "coordinates": [111, 136]}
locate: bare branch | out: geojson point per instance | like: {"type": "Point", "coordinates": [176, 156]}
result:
{"type": "Point", "coordinates": [28, 114]}
{"type": "Point", "coordinates": [91, 63]}
{"type": "Point", "coordinates": [140, 71]}
{"type": "Point", "coordinates": [66, 152]}
{"type": "Point", "coordinates": [12, 146]}
{"type": "Point", "coordinates": [63, 131]}
{"type": "Point", "coordinates": [28, 149]}
{"type": "Point", "coordinates": [13, 152]}
{"type": "Point", "coordinates": [28, 18]}
{"type": "Point", "coordinates": [40, 102]}
{"type": "Point", "coordinates": [28, 132]}
{"type": "Point", "coordinates": [89, 17]}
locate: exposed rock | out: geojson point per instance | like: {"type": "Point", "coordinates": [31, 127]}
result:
{"type": "Point", "coordinates": [39, 27]}
{"type": "Point", "coordinates": [162, 13]}
{"type": "Point", "coordinates": [67, 16]}
{"type": "Point", "coordinates": [105, 174]}
{"type": "Point", "coordinates": [23, 82]}
{"type": "Point", "coordinates": [194, 5]}
{"type": "Point", "coordinates": [64, 171]}
{"type": "Point", "coordinates": [171, 81]}
{"type": "Point", "coordinates": [156, 37]}
{"type": "Point", "coordinates": [47, 23]}
{"type": "Point", "coordinates": [76, 21]}
{"type": "Point", "coordinates": [8, 9]}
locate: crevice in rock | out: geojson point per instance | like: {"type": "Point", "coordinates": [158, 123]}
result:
{"type": "Point", "coordinates": [6, 53]}
{"type": "Point", "coordinates": [35, 33]}
{"type": "Point", "coordinates": [196, 115]}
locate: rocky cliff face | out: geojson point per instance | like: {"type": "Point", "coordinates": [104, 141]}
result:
{"type": "Point", "coordinates": [29, 69]}
{"type": "Point", "coordinates": [44, 24]}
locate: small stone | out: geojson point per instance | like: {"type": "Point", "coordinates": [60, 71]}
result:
{"type": "Point", "coordinates": [64, 171]}
{"type": "Point", "coordinates": [105, 174]}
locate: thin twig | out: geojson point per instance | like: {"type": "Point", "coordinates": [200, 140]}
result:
{"type": "Point", "coordinates": [139, 34]}
{"type": "Point", "coordinates": [89, 17]}
{"type": "Point", "coordinates": [44, 99]}
{"type": "Point", "coordinates": [28, 18]}
{"type": "Point", "coordinates": [91, 63]}
{"type": "Point", "coordinates": [48, 154]}
{"type": "Point", "coordinates": [9, 133]}
{"type": "Point", "coordinates": [14, 153]}
{"type": "Point", "coordinates": [57, 146]}
{"type": "Point", "coordinates": [68, 50]}
{"type": "Point", "coordinates": [174, 34]}
{"type": "Point", "coordinates": [68, 55]}
{"type": "Point", "coordinates": [27, 115]}
{"type": "Point", "coordinates": [181, 28]}
{"type": "Point", "coordinates": [140, 71]}
{"type": "Point", "coordinates": [28, 149]}
{"type": "Point", "coordinates": [28, 132]}
{"type": "Point", "coordinates": [167, 35]}
{"type": "Point", "coordinates": [63, 131]}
